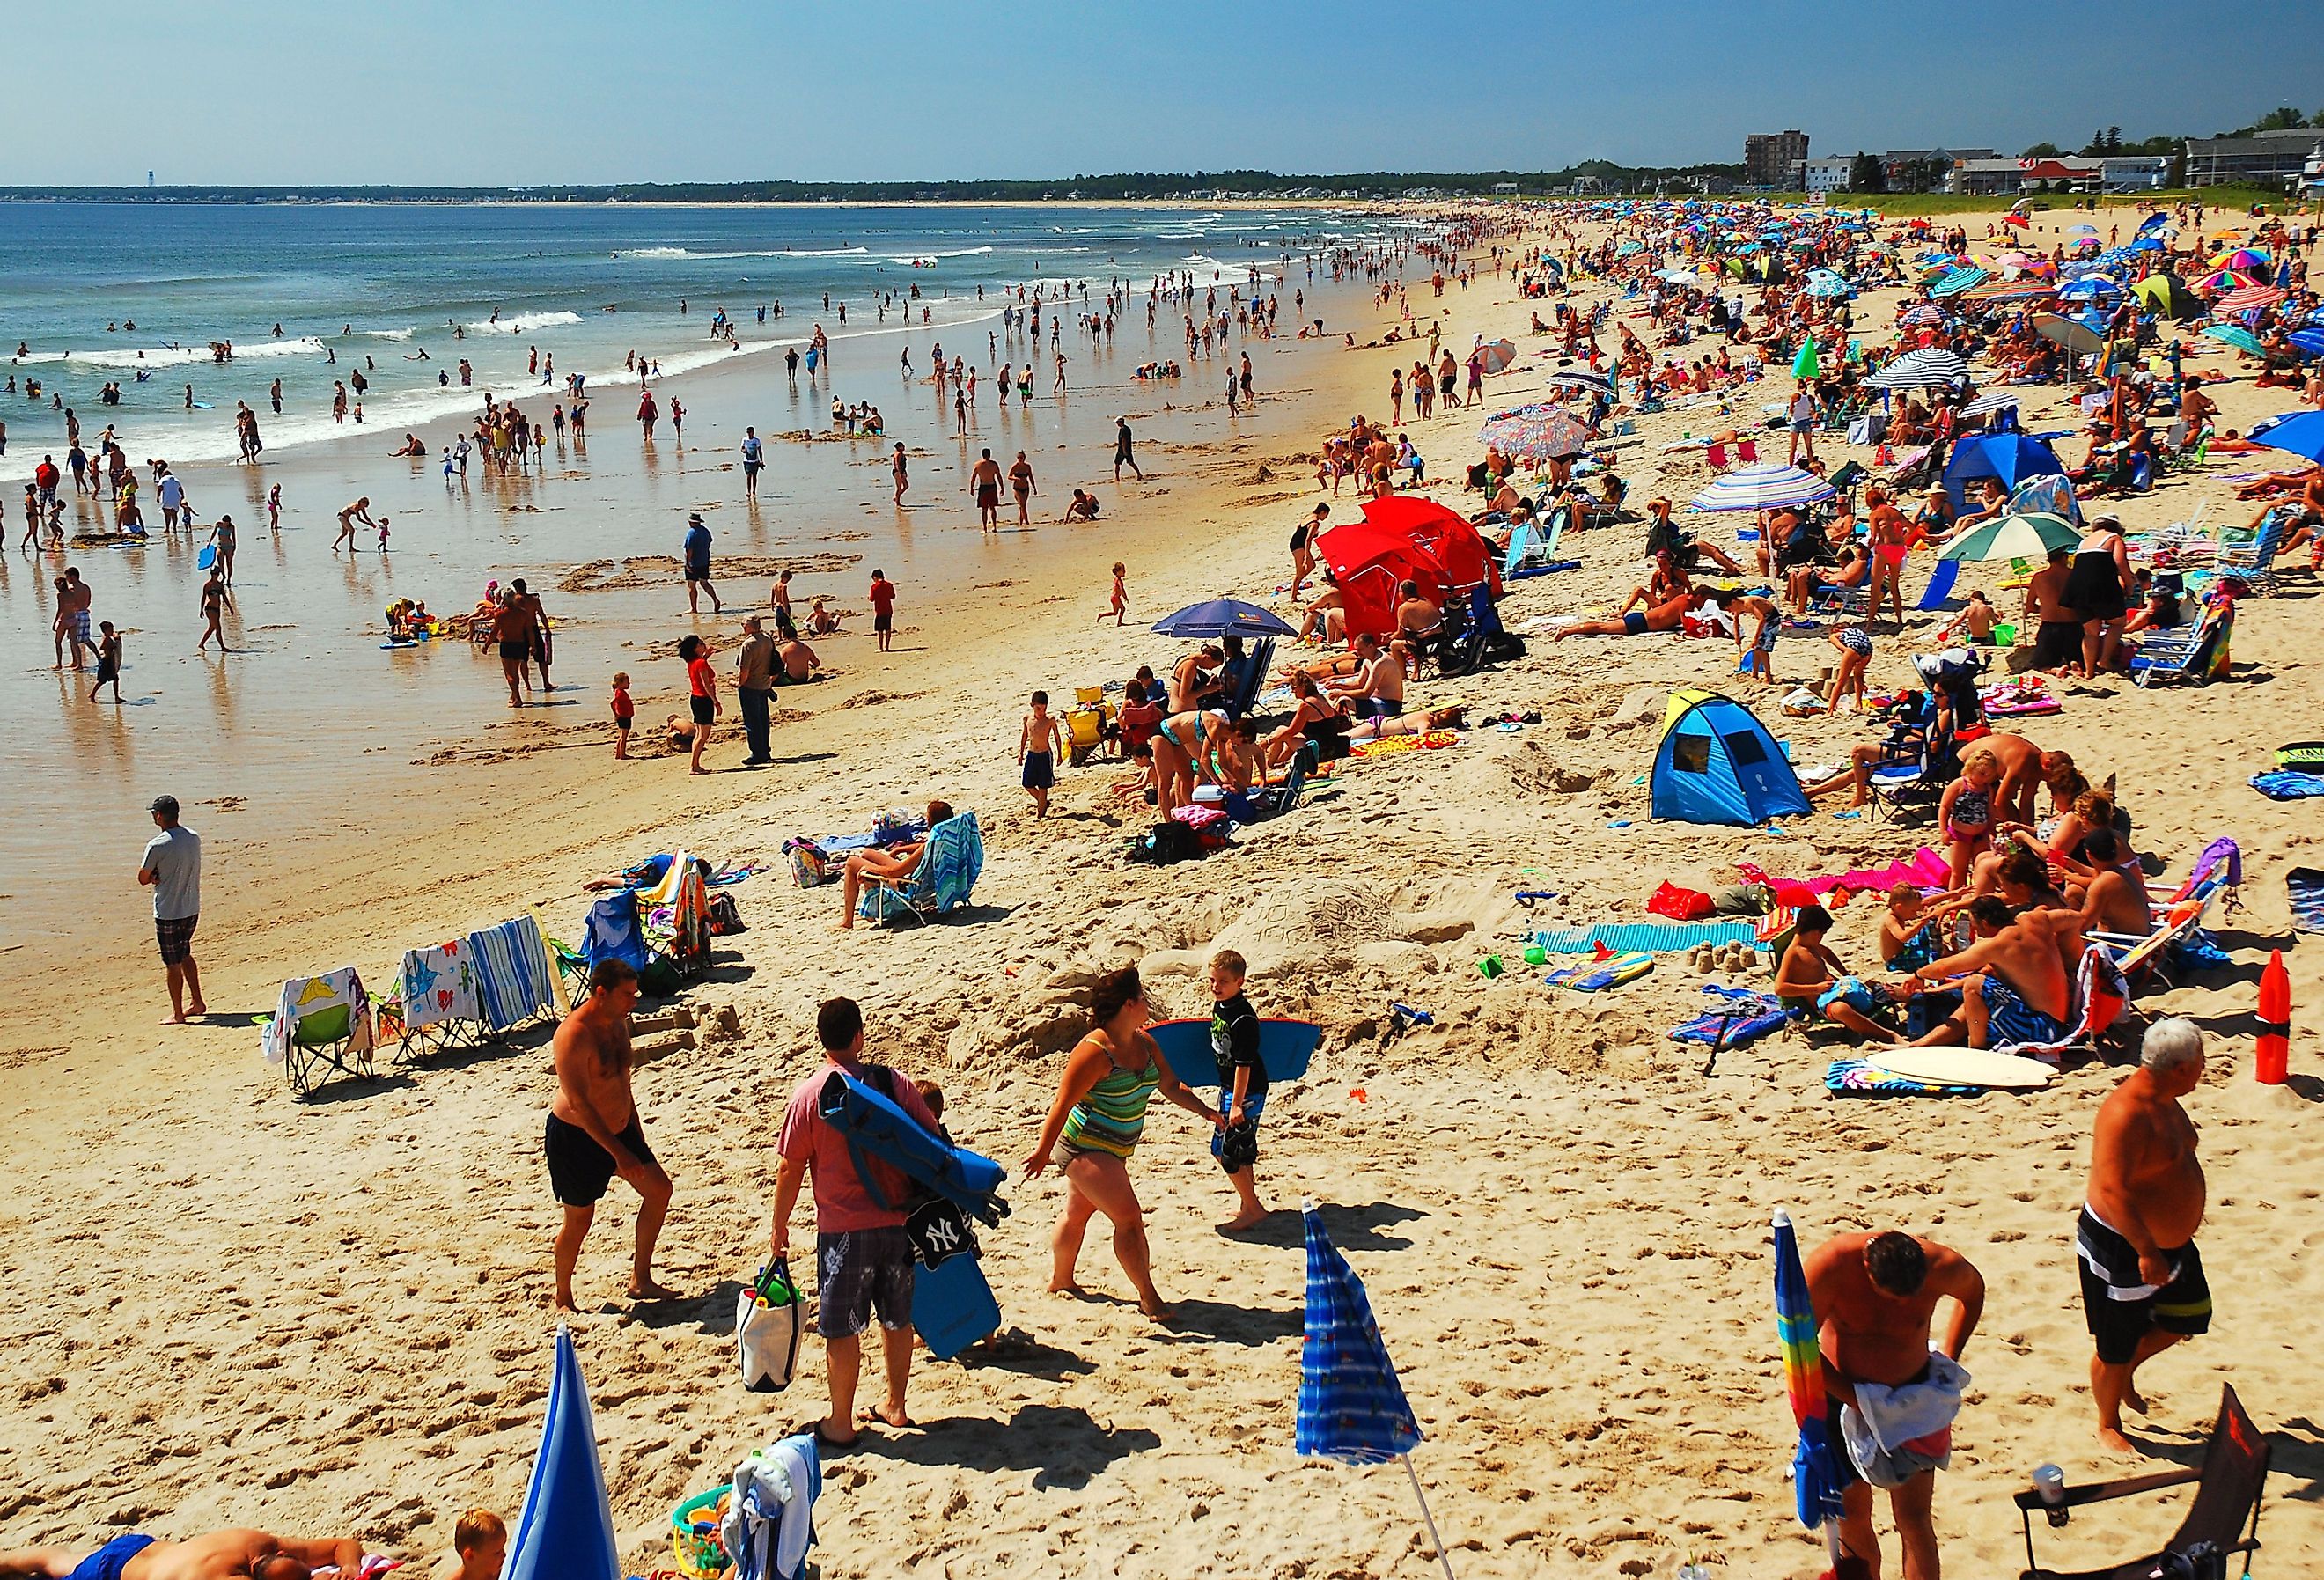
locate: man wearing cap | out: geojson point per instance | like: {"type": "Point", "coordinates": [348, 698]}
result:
{"type": "Point", "coordinates": [697, 567]}
{"type": "Point", "coordinates": [173, 869]}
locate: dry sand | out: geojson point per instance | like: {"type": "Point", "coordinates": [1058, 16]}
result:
{"type": "Point", "coordinates": [234, 1309]}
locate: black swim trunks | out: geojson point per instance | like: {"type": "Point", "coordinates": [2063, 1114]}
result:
{"type": "Point", "coordinates": [2057, 641]}
{"type": "Point", "coordinates": [2121, 1306]}
{"type": "Point", "coordinates": [579, 1169]}
{"type": "Point", "coordinates": [519, 651]}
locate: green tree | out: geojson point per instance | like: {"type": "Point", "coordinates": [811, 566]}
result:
{"type": "Point", "coordinates": [2041, 151]}
{"type": "Point", "coordinates": [1866, 174]}
{"type": "Point", "coordinates": [2286, 119]}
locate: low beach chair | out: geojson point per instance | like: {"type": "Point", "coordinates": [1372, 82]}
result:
{"type": "Point", "coordinates": [2100, 994]}
{"type": "Point", "coordinates": [941, 880]}
{"type": "Point", "coordinates": [2197, 653]}
{"type": "Point", "coordinates": [2250, 556]}
{"type": "Point", "coordinates": [433, 1008]}
{"type": "Point", "coordinates": [323, 1025]}
{"type": "Point", "coordinates": [677, 919]}
{"type": "Point", "coordinates": [515, 982]}
{"type": "Point", "coordinates": [2224, 1517]}
{"type": "Point", "coordinates": [2180, 918]}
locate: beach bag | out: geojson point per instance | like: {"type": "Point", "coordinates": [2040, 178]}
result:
{"type": "Point", "coordinates": [809, 866]}
{"type": "Point", "coordinates": [726, 919]}
{"type": "Point", "coordinates": [1165, 845]}
{"type": "Point", "coordinates": [769, 1318]}
{"type": "Point", "coordinates": [1680, 904]}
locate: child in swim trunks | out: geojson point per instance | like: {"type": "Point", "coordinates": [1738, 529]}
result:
{"type": "Point", "coordinates": [1036, 746]}
{"type": "Point", "coordinates": [1966, 814]}
{"type": "Point", "coordinates": [1811, 980]}
{"type": "Point", "coordinates": [1242, 1085]}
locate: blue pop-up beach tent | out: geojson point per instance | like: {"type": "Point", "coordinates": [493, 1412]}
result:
{"type": "Point", "coordinates": [1717, 763]}
{"type": "Point", "coordinates": [566, 1530]}
{"type": "Point", "coordinates": [2011, 456]}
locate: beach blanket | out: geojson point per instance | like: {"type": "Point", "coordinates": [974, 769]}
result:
{"type": "Point", "coordinates": [312, 999]}
{"type": "Point", "coordinates": [437, 984]}
{"type": "Point", "coordinates": [2288, 784]}
{"type": "Point", "coordinates": [1745, 1017]}
{"type": "Point", "coordinates": [1651, 938]}
{"type": "Point", "coordinates": [514, 980]}
{"type": "Point", "coordinates": [1857, 1077]}
{"type": "Point", "coordinates": [2304, 886]}
{"type": "Point", "coordinates": [1924, 869]}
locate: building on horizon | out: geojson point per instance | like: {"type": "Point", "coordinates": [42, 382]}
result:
{"type": "Point", "coordinates": [1768, 156]}
{"type": "Point", "coordinates": [2265, 159]}
{"type": "Point", "coordinates": [1816, 177]}
{"type": "Point", "coordinates": [1925, 169]}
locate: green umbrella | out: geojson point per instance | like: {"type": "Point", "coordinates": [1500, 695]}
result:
{"type": "Point", "coordinates": [2027, 536]}
{"type": "Point", "coordinates": [1803, 366]}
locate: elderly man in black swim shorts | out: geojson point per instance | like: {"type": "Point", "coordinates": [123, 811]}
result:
{"type": "Point", "coordinates": [593, 1132]}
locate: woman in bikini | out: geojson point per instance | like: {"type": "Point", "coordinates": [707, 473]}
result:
{"type": "Point", "coordinates": [1314, 708]}
{"type": "Point", "coordinates": [1185, 754]}
{"type": "Point", "coordinates": [1095, 1124]}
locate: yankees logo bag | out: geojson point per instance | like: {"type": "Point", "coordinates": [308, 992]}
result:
{"type": "Point", "coordinates": [769, 1318]}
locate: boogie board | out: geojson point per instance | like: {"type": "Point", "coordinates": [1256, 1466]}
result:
{"type": "Point", "coordinates": [867, 1120]}
{"type": "Point", "coordinates": [1284, 1047]}
{"type": "Point", "coordinates": [2307, 756]}
{"type": "Point", "coordinates": [1601, 975]}
{"type": "Point", "coordinates": [207, 558]}
{"type": "Point", "coordinates": [952, 1306]}
{"type": "Point", "coordinates": [1961, 1067]}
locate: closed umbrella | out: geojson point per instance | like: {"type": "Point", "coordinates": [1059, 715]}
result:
{"type": "Point", "coordinates": [1218, 617]}
{"type": "Point", "coordinates": [1815, 1476]}
{"type": "Point", "coordinates": [1921, 370]}
{"type": "Point", "coordinates": [1352, 1408]}
{"type": "Point", "coordinates": [2072, 333]}
{"type": "Point", "coordinates": [1763, 488]}
{"type": "Point", "coordinates": [2234, 335]}
{"type": "Point", "coordinates": [2022, 535]}
{"type": "Point", "coordinates": [566, 1528]}
{"type": "Point", "coordinates": [1804, 365]}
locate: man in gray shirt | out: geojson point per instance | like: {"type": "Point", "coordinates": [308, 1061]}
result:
{"type": "Point", "coordinates": [173, 869]}
{"type": "Point", "coordinates": [754, 684]}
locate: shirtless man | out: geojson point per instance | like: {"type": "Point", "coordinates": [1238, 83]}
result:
{"type": "Point", "coordinates": [1628, 622]}
{"type": "Point", "coordinates": [2057, 629]}
{"type": "Point", "coordinates": [2112, 900]}
{"type": "Point", "coordinates": [357, 514]}
{"type": "Point", "coordinates": [512, 628]}
{"type": "Point", "coordinates": [798, 660]}
{"type": "Point", "coordinates": [219, 1556]}
{"type": "Point", "coordinates": [593, 1132]}
{"type": "Point", "coordinates": [2142, 1285]}
{"type": "Point", "coordinates": [1377, 687]}
{"type": "Point", "coordinates": [75, 599]}
{"type": "Point", "coordinates": [984, 482]}
{"type": "Point", "coordinates": [2017, 991]}
{"type": "Point", "coordinates": [530, 602]}
{"type": "Point", "coordinates": [1876, 1295]}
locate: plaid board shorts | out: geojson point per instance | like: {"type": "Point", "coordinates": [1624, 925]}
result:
{"type": "Point", "coordinates": [175, 934]}
{"type": "Point", "coordinates": [858, 1271]}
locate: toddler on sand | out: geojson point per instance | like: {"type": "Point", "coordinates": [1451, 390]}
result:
{"type": "Point", "coordinates": [625, 713]}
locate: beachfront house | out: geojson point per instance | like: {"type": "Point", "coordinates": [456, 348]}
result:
{"type": "Point", "coordinates": [2265, 159]}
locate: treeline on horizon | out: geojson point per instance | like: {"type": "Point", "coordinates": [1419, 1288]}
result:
{"type": "Point", "coordinates": [1376, 184]}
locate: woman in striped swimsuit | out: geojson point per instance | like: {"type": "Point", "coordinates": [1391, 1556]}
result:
{"type": "Point", "coordinates": [1111, 1077]}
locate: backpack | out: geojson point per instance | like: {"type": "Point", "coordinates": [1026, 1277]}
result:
{"type": "Point", "coordinates": [1165, 845]}
{"type": "Point", "coordinates": [809, 866]}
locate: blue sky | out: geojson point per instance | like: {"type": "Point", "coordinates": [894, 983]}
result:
{"type": "Point", "coordinates": [588, 91]}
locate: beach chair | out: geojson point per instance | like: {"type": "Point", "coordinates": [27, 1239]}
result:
{"type": "Point", "coordinates": [2100, 994]}
{"type": "Point", "coordinates": [516, 986]}
{"type": "Point", "coordinates": [2251, 558]}
{"type": "Point", "coordinates": [677, 919]}
{"type": "Point", "coordinates": [433, 1008]}
{"type": "Point", "coordinates": [323, 1025]}
{"type": "Point", "coordinates": [1716, 454]}
{"type": "Point", "coordinates": [2224, 1517]}
{"type": "Point", "coordinates": [1253, 678]}
{"type": "Point", "coordinates": [939, 881]}
{"type": "Point", "coordinates": [2178, 918]}
{"type": "Point", "coordinates": [2198, 652]}
{"type": "Point", "coordinates": [1266, 802]}
{"type": "Point", "coordinates": [1747, 452]}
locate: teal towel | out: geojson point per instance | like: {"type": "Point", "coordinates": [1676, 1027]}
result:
{"type": "Point", "coordinates": [1653, 938]}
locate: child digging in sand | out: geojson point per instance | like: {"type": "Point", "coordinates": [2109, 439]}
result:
{"type": "Point", "coordinates": [1242, 1086]}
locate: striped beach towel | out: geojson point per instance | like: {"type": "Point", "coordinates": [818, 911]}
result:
{"type": "Point", "coordinates": [514, 980]}
{"type": "Point", "coordinates": [1650, 937]}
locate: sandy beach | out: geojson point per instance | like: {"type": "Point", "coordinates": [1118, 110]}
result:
{"type": "Point", "coordinates": [234, 1307]}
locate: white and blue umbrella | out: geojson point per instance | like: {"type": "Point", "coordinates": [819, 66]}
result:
{"type": "Point", "coordinates": [2091, 286]}
{"type": "Point", "coordinates": [1769, 487]}
{"type": "Point", "coordinates": [1352, 1408]}
{"type": "Point", "coordinates": [566, 1528]}
{"type": "Point", "coordinates": [1921, 370]}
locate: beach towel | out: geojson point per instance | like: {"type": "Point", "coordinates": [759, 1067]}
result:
{"type": "Point", "coordinates": [1642, 936]}
{"type": "Point", "coordinates": [514, 980]}
{"type": "Point", "coordinates": [1435, 740]}
{"type": "Point", "coordinates": [1745, 1017]}
{"type": "Point", "coordinates": [770, 1522]}
{"type": "Point", "coordinates": [1894, 1434]}
{"type": "Point", "coordinates": [2304, 886]}
{"type": "Point", "coordinates": [2288, 784]}
{"type": "Point", "coordinates": [312, 998]}
{"type": "Point", "coordinates": [1924, 869]}
{"type": "Point", "coordinates": [1857, 1077]}
{"type": "Point", "coordinates": [437, 984]}
{"type": "Point", "coordinates": [2101, 995]}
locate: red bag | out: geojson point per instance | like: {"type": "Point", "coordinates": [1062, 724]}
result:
{"type": "Point", "coordinates": [1680, 904]}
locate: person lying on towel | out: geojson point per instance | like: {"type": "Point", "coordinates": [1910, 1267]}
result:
{"type": "Point", "coordinates": [219, 1556]}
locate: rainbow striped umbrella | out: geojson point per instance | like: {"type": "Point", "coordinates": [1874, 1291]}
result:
{"type": "Point", "coordinates": [2223, 279]}
{"type": "Point", "coordinates": [2241, 258]}
{"type": "Point", "coordinates": [1815, 1468]}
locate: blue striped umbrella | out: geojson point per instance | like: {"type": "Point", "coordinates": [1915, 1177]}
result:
{"type": "Point", "coordinates": [1765, 488]}
{"type": "Point", "coordinates": [1352, 1408]}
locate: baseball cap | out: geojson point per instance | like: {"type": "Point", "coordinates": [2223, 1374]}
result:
{"type": "Point", "coordinates": [165, 804]}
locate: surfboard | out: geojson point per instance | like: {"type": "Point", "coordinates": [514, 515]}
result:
{"type": "Point", "coordinates": [1284, 1047]}
{"type": "Point", "coordinates": [1601, 975]}
{"type": "Point", "coordinates": [207, 558]}
{"type": "Point", "coordinates": [1961, 1067]}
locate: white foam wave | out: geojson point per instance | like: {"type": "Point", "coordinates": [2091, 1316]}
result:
{"type": "Point", "coordinates": [387, 334]}
{"type": "Point", "coordinates": [155, 356]}
{"type": "Point", "coordinates": [941, 253]}
{"type": "Point", "coordinates": [756, 253]}
{"type": "Point", "coordinates": [526, 323]}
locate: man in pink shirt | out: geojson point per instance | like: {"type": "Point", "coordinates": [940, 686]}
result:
{"type": "Point", "coordinates": [863, 1257]}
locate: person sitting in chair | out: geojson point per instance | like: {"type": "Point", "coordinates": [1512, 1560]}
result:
{"type": "Point", "coordinates": [2018, 989]}
{"type": "Point", "coordinates": [1418, 620]}
{"type": "Point", "coordinates": [892, 865]}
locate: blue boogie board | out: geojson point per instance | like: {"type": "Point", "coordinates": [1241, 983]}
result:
{"type": "Point", "coordinates": [1284, 1047]}
{"type": "Point", "coordinates": [871, 1124]}
{"type": "Point", "coordinates": [952, 1304]}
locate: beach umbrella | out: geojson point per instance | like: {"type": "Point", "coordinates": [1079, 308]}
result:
{"type": "Point", "coordinates": [1815, 1476]}
{"type": "Point", "coordinates": [1920, 370]}
{"type": "Point", "coordinates": [1580, 376]}
{"type": "Point", "coordinates": [2241, 258]}
{"type": "Point", "coordinates": [2301, 432]}
{"type": "Point", "coordinates": [2222, 280]}
{"type": "Point", "coordinates": [1352, 1408]}
{"type": "Point", "coordinates": [1958, 281]}
{"type": "Point", "coordinates": [2010, 290]}
{"type": "Point", "coordinates": [2248, 300]}
{"type": "Point", "coordinates": [2016, 219]}
{"type": "Point", "coordinates": [2020, 535]}
{"type": "Point", "coordinates": [566, 1530]}
{"type": "Point", "coordinates": [1496, 355]}
{"type": "Point", "coordinates": [1208, 622]}
{"type": "Point", "coordinates": [2089, 286]}
{"type": "Point", "coordinates": [1922, 316]}
{"type": "Point", "coordinates": [2147, 244]}
{"type": "Point", "coordinates": [1992, 401]}
{"type": "Point", "coordinates": [2070, 333]}
{"type": "Point", "coordinates": [2306, 342]}
{"type": "Point", "coordinates": [1830, 287]}
{"type": "Point", "coordinates": [2234, 335]}
{"type": "Point", "coordinates": [1765, 488]}
{"type": "Point", "coordinates": [1803, 366]}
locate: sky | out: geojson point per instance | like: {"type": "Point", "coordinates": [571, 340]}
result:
{"type": "Point", "coordinates": [425, 92]}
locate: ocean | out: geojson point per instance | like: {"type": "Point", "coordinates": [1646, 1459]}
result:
{"type": "Point", "coordinates": [99, 293]}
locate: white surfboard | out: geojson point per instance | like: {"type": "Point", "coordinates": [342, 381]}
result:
{"type": "Point", "coordinates": [1961, 1067]}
